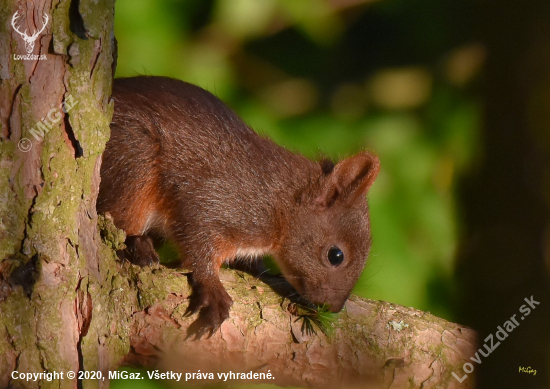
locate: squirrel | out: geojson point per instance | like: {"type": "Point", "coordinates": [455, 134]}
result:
{"type": "Point", "coordinates": [182, 165]}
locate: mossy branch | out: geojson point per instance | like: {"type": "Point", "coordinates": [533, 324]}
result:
{"type": "Point", "coordinates": [369, 344]}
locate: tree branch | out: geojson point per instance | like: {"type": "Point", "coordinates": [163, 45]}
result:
{"type": "Point", "coordinates": [370, 343]}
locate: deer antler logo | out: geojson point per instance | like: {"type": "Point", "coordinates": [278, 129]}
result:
{"type": "Point", "coordinates": [29, 40]}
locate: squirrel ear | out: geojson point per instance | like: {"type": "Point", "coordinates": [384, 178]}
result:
{"type": "Point", "coordinates": [349, 179]}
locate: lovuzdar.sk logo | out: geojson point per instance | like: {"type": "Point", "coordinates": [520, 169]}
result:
{"type": "Point", "coordinates": [28, 39]}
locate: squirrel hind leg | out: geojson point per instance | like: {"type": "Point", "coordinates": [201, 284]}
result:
{"type": "Point", "coordinates": [140, 250]}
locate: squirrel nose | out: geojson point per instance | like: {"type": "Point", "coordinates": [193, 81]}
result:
{"type": "Point", "coordinates": [333, 299]}
{"type": "Point", "coordinates": [337, 305]}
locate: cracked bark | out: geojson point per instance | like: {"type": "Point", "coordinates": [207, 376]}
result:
{"type": "Point", "coordinates": [371, 344]}
{"type": "Point", "coordinates": [66, 303]}
{"type": "Point", "coordinates": [49, 240]}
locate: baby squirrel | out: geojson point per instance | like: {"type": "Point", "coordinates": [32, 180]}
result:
{"type": "Point", "coordinates": [181, 165]}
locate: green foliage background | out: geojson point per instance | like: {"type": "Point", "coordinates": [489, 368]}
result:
{"type": "Point", "coordinates": [331, 77]}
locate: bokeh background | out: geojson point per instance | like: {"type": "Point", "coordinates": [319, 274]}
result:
{"type": "Point", "coordinates": [454, 97]}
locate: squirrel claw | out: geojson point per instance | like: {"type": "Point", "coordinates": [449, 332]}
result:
{"type": "Point", "coordinates": [213, 309]}
{"type": "Point", "coordinates": [192, 308]}
{"type": "Point", "coordinates": [207, 323]}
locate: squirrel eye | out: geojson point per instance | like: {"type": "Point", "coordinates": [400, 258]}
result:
{"type": "Point", "coordinates": [335, 256]}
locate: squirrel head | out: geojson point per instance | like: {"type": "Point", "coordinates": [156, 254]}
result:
{"type": "Point", "coordinates": [328, 237]}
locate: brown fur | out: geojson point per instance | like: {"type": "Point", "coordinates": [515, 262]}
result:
{"type": "Point", "coordinates": [181, 165]}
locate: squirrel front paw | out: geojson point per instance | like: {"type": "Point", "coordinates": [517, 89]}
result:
{"type": "Point", "coordinates": [212, 303]}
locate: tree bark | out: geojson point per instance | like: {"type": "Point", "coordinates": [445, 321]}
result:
{"type": "Point", "coordinates": [68, 304]}
{"type": "Point", "coordinates": [53, 266]}
{"type": "Point", "coordinates": [371, 344]}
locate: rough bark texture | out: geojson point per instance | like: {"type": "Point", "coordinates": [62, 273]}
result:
{"type": "Point", "coordinates": [67, 304]}
{"type": "Point", "coordinates": [53, 266]}
{"type": "Point", "coordinates": [371, 344]}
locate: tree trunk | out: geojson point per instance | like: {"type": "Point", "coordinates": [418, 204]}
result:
{"type": "Point", "coordinates": [53, 266]}
{"type": "Point", "coordinates": [66, 302]}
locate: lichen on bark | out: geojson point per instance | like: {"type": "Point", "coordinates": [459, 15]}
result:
{"type": "Point", "coordinates": [48, 221]}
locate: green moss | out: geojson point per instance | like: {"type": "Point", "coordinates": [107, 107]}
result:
{"type": "Point", "coordinates": [112, 236]}
{"type": "Point", "coordinates": [155, 283]}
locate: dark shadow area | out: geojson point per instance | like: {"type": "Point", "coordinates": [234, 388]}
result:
{"type": "Point", "coordinates": [277, 282]}
{"type": "Point", "coordinates": [25, 276]}
{"type": "Point", "coordinates": [506, 215]}
{"type": "Point", "coordinates": [76, 21]}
